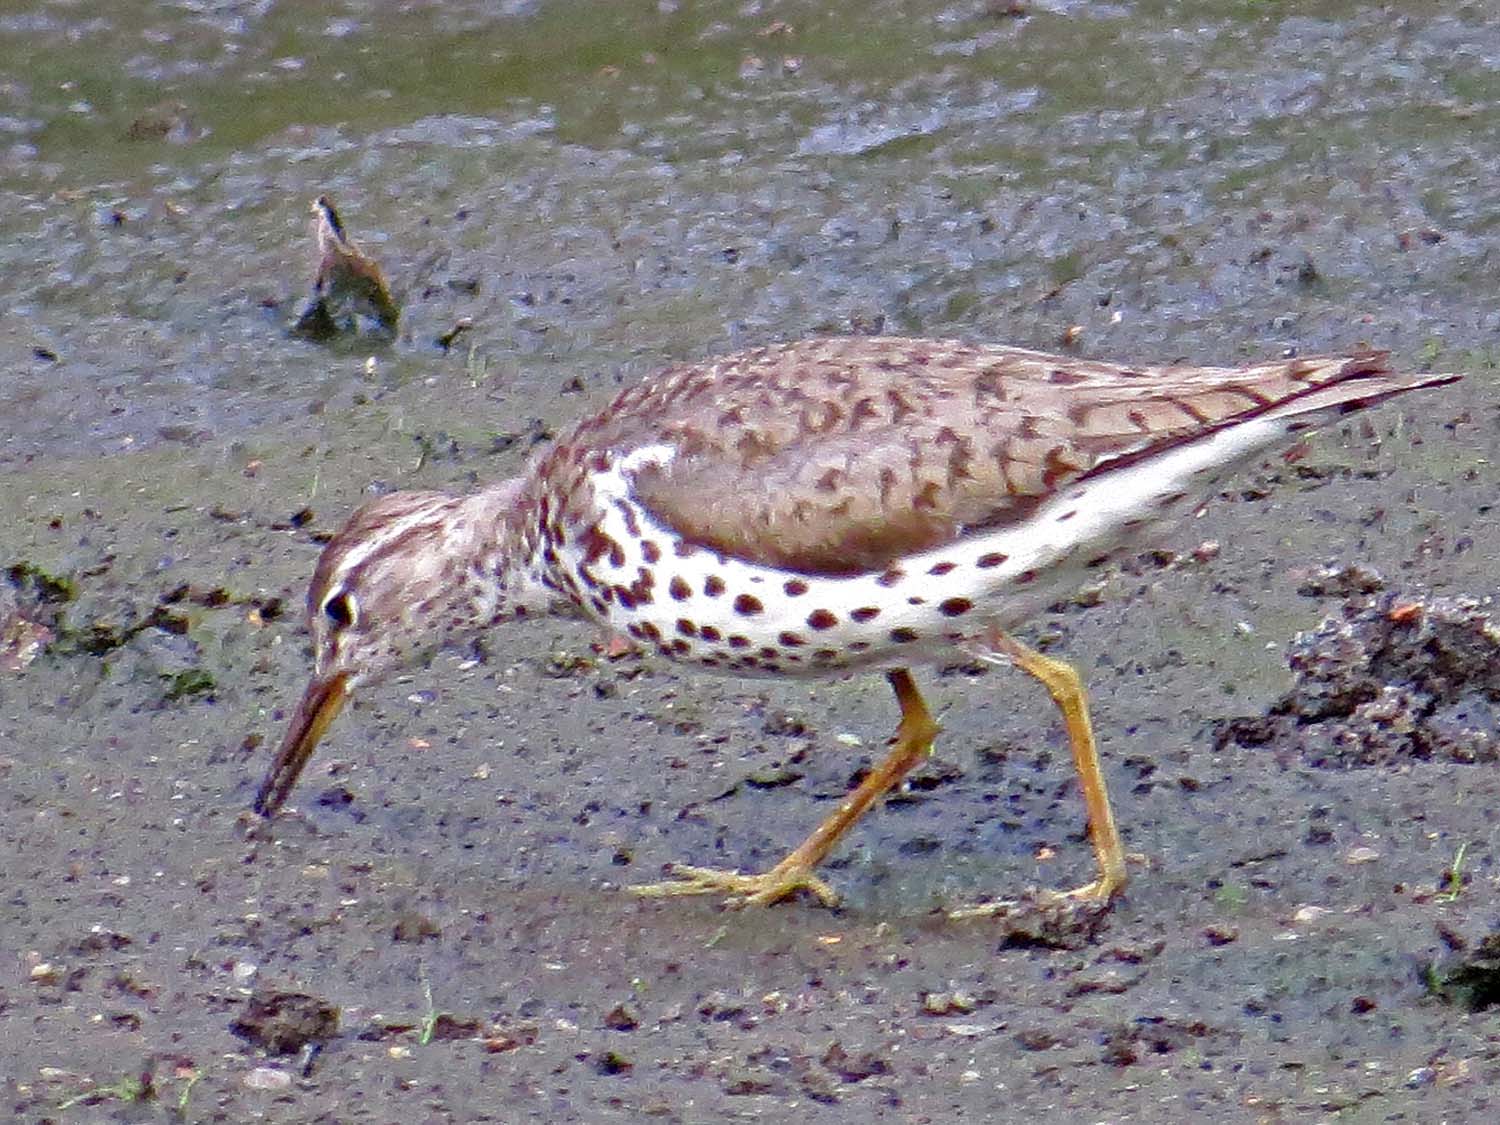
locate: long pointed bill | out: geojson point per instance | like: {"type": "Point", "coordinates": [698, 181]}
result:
{"type": "Point", "coordinates": [320, 705]}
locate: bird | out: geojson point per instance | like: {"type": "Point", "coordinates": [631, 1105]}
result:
{"type": "Point", "coordinates": [348, 283]}
{"type": "Point", "coordinates": [815, 509]}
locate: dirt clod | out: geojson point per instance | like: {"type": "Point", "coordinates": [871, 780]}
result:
{"type": "Point", "coordinates": [282, 1023]}
{"type": "Point", "coordinates": [1392, 679]}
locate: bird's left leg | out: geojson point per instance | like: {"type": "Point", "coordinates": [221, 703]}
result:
{"type": "Point", "coordinates": [1066, 688]}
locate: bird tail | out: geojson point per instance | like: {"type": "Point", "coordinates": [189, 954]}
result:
{"type": "Point", "coordinates": [1342, 385]}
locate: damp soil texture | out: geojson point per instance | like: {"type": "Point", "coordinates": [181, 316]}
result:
{"type": "Point", "coordinates": [565, 196]}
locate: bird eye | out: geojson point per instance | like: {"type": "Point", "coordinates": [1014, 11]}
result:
{"type": "Point", "coordinates": [341, 609]}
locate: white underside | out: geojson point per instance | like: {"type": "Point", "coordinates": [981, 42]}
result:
{"type": "Point", "coordinates": [1045, 559]}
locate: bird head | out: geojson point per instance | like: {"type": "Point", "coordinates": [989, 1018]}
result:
{"type": "Point", "coordinates": [407, 574]}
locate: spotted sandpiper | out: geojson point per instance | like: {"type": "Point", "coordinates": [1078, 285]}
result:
{"type": "Point", "coordinates": [815, 509]}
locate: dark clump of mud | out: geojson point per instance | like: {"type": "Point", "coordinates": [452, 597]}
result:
{"type": "Point", "coordinates": [283, 1023]}
{"type": "Point", "coordinates": [1392, 679]}
{"type": "Point", "coordinates": [1470, 980]}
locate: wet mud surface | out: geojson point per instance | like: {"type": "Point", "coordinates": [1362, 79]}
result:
{"type": "Point", "coordinates": [1296, 701]}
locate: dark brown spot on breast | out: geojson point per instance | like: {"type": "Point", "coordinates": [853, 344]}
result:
{"type": "Point", "coordinates": [616, 555]}
{"type": "Point", "coordinates": [713, 585]}
{"type": "Point", "coordinates": [1066, 516]}
{"type": "Point", "coordinates": [955, 607]}
{"type": "Point", "coordinates": [916, 601]}
{"type": "Point", "coordinates": [821, 619]}
{"type": "Point", "coordinates": [650, 551]}
{"type": "Point", "coordinates": [650, 631]}
{"type": "Point", "coordinates": [680, 646]}
{"type": "Point", "coordinates": [795, 587]}
{"type": "Point", "coordinates": [1026, 576]}
{"type": "Point", "coordinates": [791, 640]}
{"type": "Point", "coordinates": [747, 606]}
{"type": "Point", "coordinates": [769, 653]}
{"type": "Point", "coordinates": [993, 559]}
{"type": "Point", "coordinates": [683, 549]}
{"type": "Point", "coordinates": [686, 627]}
{"type": "Point", "coordinates": [632, 525]}
{"type": "Point", "coordinates": [941, 568]}
{"type": "Point", "coordinates": [709, 633]}
{"type": "Point", "coordinates": [626, 598]}
{"type": "Point", "coordinates": [595, 545]}
{"type": "Point", "coordinates": [891, 576]}
{"type": "Point", "coordinates": [737, 641]}
{"type": "Point", "coordinates": [866, 613]}
{"type": "Point", "coordinates": [903, 636]}
{"type": "Point", "coordinates": [679, 589]}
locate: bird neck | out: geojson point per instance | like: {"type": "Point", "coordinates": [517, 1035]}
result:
{"type": "Point", "coordinates": [504, 548]}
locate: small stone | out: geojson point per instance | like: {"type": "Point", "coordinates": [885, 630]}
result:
{"type": "Point", "coordinates": [267, 1078]}
{"type": "Point", "coordinates": [743, 1081]}
{"type": "Point", "coordinates": [610, 1063]}
{"type": "Point", "coordinates": [853, 1068]}
{"type": "Point", "coordinates": [966, 1030]}
{"type": "Point", "coordinates": [947, 1003]}
{"type": "Point", "coordinates": [1036, 1039]}
{"type": "Point", "coordinates": [413, 927]}
{"type": "Point", "coordinates": [621, 1018]}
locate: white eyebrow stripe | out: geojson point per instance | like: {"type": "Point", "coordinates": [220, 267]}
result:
{"type": "Point", "coordinates": [361, 552]}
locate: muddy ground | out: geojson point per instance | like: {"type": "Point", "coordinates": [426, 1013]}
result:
{"type": "Point", "coordinates": [437, 932]}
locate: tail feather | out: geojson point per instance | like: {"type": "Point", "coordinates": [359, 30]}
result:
{"type": "Point", "coordinates": [1355, 388]}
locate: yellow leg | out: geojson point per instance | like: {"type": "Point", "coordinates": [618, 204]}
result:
{"type": "Point", "coordinates": [914, 738]}
{"type": "Point", "coordinates": [1066, 689]}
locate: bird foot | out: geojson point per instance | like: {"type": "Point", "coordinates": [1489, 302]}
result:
{"type": "Point", "coordinates": [742, 890]}
{"type": "Point", "coordinates": [1055, 919]}
{"type": "Point", "coordinates": [1081, 900]}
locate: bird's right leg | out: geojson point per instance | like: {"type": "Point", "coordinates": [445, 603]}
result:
{"type": "Point", "coordinates": [914, 736]}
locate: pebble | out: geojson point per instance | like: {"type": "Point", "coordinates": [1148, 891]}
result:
{"type": "Point", "coordinates": [268, 1078]}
